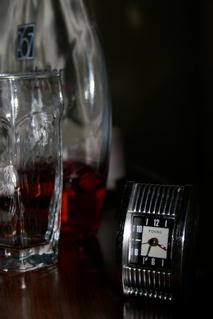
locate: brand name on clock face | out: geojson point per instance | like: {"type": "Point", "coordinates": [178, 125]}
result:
{"type": "Point", "coordinates": [155, 231]}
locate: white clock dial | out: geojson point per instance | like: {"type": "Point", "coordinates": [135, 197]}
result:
{"type": "Point", "coordinates": [154, 242]}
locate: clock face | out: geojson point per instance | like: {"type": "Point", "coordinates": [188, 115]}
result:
{"type": "Point", "coordinates": [151, 241]}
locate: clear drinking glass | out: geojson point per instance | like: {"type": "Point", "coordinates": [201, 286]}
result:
{"type": "Point", "coordinates": [30, 169]}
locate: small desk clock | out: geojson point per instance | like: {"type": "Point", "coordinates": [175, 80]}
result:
{"type": "Point", "coordinates": [158, 236]}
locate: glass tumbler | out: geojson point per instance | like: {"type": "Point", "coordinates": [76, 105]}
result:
{"type": "Point", "coordinates": [30, 169]}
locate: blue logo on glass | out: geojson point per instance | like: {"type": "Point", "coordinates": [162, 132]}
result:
{"type": "Point", "coordinates": [25, 42]}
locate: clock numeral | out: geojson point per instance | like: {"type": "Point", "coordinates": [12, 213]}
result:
{"type": "Point", "coordinates": [162, 262]}
{"type": "Point", "coordinates": [153, 261]}
{"type": "Point", "coordinates": [156, 222]}
{"type": "Point", "coordinates": [139, 229]}
{"type": "Point", "coordinates": [136, 251]}
{"type": "Point", "coordinates": [147, 221]}
{"type": "Point", "coordinates": [166, 223]}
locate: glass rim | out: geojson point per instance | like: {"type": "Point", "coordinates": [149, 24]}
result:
{"type": "Point", "coordinates": [30, 75]}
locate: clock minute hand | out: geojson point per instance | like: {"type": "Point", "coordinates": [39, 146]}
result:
{"type": "Point", "coordinates": [147, 254]}
{"type": "Point", "coordinates": [162, 247]}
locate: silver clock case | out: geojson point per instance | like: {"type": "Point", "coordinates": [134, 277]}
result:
{"type": "Point", "coordinates": [161, 201]}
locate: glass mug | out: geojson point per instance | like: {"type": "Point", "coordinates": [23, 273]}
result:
{"type": "Point", "coordinates": [30, 169]}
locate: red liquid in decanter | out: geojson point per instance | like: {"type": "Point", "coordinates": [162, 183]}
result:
{"type": "Point", "coordinates": [82, 201]}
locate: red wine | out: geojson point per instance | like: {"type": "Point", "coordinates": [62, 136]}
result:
{"type": "Point", "coordinates": [37, 195]}
{"type": "Point", "coordinates": [82, 200]}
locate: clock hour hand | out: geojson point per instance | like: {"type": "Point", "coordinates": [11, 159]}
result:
{"type": "Point", "coordinates": [145, 243]}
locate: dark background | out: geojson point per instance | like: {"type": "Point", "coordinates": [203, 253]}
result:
{"type": "Point", "coordinates": [159, 58]}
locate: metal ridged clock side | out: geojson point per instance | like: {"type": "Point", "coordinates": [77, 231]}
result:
{"type": "Point", "coordinates": [147, 283]}
{"type": "Point", "coordinates": [165, 202]}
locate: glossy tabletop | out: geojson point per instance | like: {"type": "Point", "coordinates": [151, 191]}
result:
{"type": "Point", "coordinates": [83, 285]}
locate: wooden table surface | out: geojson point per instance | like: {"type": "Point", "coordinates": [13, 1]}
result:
{"type": "Point", "coordinates": [82, 285]}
